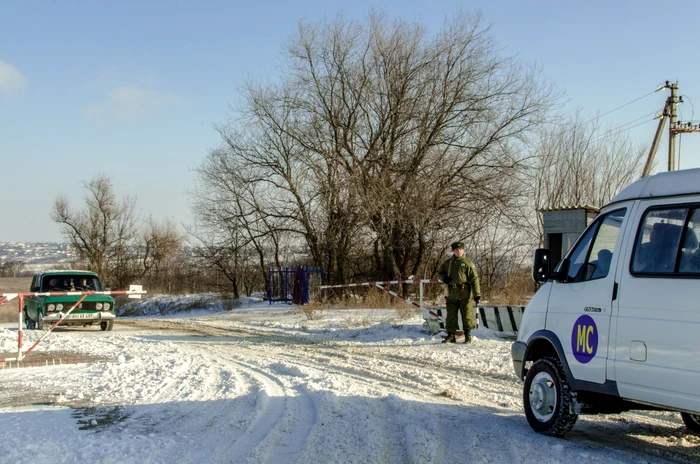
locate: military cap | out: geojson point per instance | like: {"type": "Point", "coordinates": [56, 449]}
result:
{"type": "Point", "coordinates": [456, 245]}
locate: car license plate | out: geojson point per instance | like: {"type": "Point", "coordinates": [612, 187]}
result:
{"type": "Point", "coordinates": [82, 316]}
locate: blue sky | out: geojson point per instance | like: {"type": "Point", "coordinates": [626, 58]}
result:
{"type": "Point", "coordinates": [132, 89]}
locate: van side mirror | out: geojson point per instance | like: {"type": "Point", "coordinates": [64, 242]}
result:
{"type": "Point", "coordinates": [541, 265]}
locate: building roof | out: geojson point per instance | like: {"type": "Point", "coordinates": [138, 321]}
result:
{"type": "Point", "coordinates": [664, 184]}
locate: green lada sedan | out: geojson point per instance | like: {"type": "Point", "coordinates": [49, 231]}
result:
{"type": "Point", "coordinates": [47, 309]}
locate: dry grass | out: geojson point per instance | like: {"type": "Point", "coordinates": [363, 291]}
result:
{"type": "Point", "coordinates": [407, 312]}
{"type": "Point", "coordinates": [14, 284]}
{"type": "Point", "coordinates": [371, 298]}
{"type": "Point", "coordinates": [363, 298]}
{"type": "Point", "coordinates": [8, 311]}
{"type": "Point", "coordinates": [314, 310]}
{"type": "Point", "coordinates": [355, 322]}
{"type": "Point", "coordinates": [518, 290]}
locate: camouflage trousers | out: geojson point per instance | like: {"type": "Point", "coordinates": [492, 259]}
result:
{"type": "Point", "coordinates": [464, 307]}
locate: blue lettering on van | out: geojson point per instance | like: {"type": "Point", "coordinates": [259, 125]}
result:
{"type": "Point", "coordinates": [584, 339]}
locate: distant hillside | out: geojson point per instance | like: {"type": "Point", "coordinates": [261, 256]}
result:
{"type": "Point", "coordinates": [36, 255]}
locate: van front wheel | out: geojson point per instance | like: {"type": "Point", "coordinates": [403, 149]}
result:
{"type": "Point", "coordinates": [692, 421]}
{"type": "Point", "coordinates": [547, 398]}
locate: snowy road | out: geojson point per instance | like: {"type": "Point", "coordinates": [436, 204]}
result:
{"type": "Point", "coordinates": [268, 386]}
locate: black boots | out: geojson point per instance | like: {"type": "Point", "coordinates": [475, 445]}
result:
{"type": "Point", "coordinates": [451, 338]}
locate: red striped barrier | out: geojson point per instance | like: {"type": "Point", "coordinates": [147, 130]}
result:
{"type": "Point", "coordinates": [135, 291]}
{"type": "Point", "coordinates": [380, 285]}
{"type": "Point", "coordinates": [408, 300]}
{"type": "Point", "coordinates": [383, 282]}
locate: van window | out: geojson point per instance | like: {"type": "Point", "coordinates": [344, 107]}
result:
{"type": "Point", "coordinates": [592, 256]}
{"type": "Point", "coordinates": [656, 249]}
{"type": "Point", "coordinates": [690, 253]}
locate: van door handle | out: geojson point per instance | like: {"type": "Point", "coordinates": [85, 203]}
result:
{"type": "Point", "coordinates": [614, 291]}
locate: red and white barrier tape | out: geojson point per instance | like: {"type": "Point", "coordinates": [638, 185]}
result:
{"type": "Point", "coordinates": [5, 297]}
{"type": "Point", "coordinates": [384, 282]}
{"type": "Point", "coordinates": [408, 300]}
{"type": "Point", "coordinates": [135, 291]}
{"type": "Point", "coordinates": [380, 284]}
{"type": "Point", "coordinates": [26, 294]}
{"type": "Point", "coordinates": [63, 316]}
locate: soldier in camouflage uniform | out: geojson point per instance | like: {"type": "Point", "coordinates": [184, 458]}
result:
{"type": "Point", "coordinates": [462, 283]}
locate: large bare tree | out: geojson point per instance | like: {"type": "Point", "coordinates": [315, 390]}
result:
{"type": "Point", "coordinates": [382, 136]}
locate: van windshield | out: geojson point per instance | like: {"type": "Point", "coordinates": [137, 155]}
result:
{"type": "Point", "coordinates": [70, 283]}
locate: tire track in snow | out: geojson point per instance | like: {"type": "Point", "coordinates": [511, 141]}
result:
{"type": "Point", "coordinates": [294, 349]}
{"type": "Point", "coordinates": [282, 422]}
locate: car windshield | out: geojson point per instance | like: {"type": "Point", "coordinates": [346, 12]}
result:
{"type": "Point", "coordinates": [70, 283]}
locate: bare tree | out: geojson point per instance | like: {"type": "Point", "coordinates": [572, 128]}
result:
{"type": "Point", "coordinates": [104, 232]}
{"type": "Point", "coordinates": [580, 163]}
{"type": "Point", "coordinates": [12, 268]}
{"type": "Point", "coordinates": [378, 136]}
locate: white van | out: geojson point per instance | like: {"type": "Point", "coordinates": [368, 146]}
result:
{"type": "Point", "coordinates": [616, 326]}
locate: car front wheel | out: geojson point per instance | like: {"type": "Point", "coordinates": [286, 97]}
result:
{"type": "Point", "coordinates": [692, 421]}
{"type": "Point", "coordinates": [39, 323]}
{"type": "Point", "coordinates": [547, 398]}
{"type": "Point", "coordinates": [106, 325]}
{"type": "Point", "coordinates": [28, 322]}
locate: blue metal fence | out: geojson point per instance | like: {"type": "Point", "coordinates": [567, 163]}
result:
{"type": "Point", "coordinates": [294, 285]}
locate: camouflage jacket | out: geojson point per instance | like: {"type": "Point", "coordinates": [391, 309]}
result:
{"type": "Point", "coordinates": [461, 272]}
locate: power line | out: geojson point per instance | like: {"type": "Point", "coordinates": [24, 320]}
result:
{"type": "Point", "coordinates": [623, 130]}
{"type": "Point", "coordinates": [633, 121]}
{"type": "Point", "coordinates": [692, 107]}
{"type": "Point", "coordinates": [622, 106]}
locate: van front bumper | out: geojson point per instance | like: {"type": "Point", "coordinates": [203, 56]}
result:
{"type": "Point", "coordinates": [517, 352]}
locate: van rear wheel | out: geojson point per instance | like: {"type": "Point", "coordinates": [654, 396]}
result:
{"type": "Point", "coordinates": [691, 421]}
{"type": "Point", "coordinates": [547, 398]}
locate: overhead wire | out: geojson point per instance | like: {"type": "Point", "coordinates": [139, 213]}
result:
{"type": "Point", "coordinates": [622, 106]}
{"type": "Point", "coordinates": [619, 128]}
{"type": "Point", "coordinates": [692, 107]}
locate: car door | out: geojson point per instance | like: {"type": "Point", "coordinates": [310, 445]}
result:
{"type": "Point", "coordinates": [658, 329]}
{"type": "Point", "coordinates": [580, 302]}
{"type": "Point", "coordinates": [32, 303]}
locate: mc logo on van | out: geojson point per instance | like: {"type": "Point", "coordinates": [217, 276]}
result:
{"type": "Point", "coordinates": [584, 339]}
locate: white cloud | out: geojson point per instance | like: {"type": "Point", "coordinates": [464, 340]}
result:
{"type": "Point", "coordinates": [12, 81]}
{"type": "Point", "coordinates": [129, 102]}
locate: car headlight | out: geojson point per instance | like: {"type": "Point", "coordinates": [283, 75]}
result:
{"type": "Point", "coordinates": [59, 307]}
{"type": "Point", "coordinates": [106, 306]}
{"type": "Point", "coordinates": [98, 305]}
{"type": "Point", "coordinates": [51, 307]}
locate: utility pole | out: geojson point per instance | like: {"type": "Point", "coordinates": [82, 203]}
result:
{"type": "Point", "coordinates": [674, 128]}
{"type": "Point", "coordinates": [673, 105]}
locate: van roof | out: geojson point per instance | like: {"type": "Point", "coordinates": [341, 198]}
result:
{"type": "Point", "coordinates": [664, 184]}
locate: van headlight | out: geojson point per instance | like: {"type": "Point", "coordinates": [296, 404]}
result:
{"type": "Point", "coordinates": [51, 307]}
{"type": "Point", "coordinates": [98, 305]}
{"type": "Point", "coordinates": [59, 307]}
{"type": "Point", "coordinates": [106, 306]}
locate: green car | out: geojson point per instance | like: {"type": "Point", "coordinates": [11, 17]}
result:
{"type": "Point", "coordinates": [94, 309]}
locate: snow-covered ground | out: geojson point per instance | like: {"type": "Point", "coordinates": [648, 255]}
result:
{"type": "Point", "coordinates": [264, 384]}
